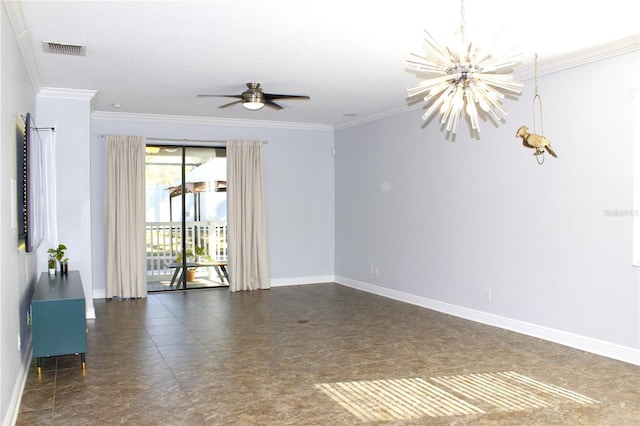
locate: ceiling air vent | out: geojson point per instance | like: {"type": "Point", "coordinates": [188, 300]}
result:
{"type": "Point", "coordinates": [64, 48]}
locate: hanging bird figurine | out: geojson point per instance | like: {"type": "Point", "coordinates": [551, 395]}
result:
{"type": "Point", "coordinates": [531, 140]}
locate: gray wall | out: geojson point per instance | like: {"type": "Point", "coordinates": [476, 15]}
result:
{"type": "Point", "coordinates": [298, 168]}
{"type": "Point", "coordinates": [443, 220]}
{"type": "Point", "coordinates": [17, 268]}
{"type": "Point", "coordinates": [69, 111]}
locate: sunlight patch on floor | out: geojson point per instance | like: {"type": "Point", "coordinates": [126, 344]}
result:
{"type": "Point", "coordinates": [510, 391]}
{"type": "Point", "coordinates": [403, 399]}
{"type": "Point", "coordinates": [395, 399]}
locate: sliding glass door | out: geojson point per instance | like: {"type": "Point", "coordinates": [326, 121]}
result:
{"type": "Point", "coordinates": [186, 217]}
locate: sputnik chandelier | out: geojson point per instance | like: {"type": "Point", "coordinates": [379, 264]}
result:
{"type": "Point", "coordinates": [461, 78]}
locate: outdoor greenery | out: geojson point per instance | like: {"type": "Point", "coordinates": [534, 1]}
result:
{"type": "Point", "coordinates": [164, 237]}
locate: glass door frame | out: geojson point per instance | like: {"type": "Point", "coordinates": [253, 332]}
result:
{"type": "Point", "coordinates": [183, 191]}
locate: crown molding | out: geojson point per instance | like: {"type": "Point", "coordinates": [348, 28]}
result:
{"type": "Point", "coordinates": [23, 39]}
{"type": "Point", "coordinates": [376, 117]}
{"type": "Point", "coordinates": [565, 62]}
{"type": "Point", "coordinates": [581, 57]}
{"type": "Point", "coordinates": [232, 122]}
{"type": "Point", "coordinates": [56, 92]}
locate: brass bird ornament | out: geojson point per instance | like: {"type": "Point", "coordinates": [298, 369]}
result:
{"type": "Point", "coordinates": [531, 140]}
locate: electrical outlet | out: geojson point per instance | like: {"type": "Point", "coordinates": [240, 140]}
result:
{"type": "Point", "coordinates": [19, 342]}
{"type": "Point", "coordinates": [487, 294]}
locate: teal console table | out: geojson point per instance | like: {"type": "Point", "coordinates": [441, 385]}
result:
{"type": "Point", "coordinates": [58, 317]}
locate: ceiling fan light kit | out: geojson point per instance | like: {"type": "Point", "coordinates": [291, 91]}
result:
{"type": "Point", "coordinates": [253, 98]}
{"type": "Point", "coordinates": [254, 103]}
{"type": "Point", "coordinates": [461, 78]}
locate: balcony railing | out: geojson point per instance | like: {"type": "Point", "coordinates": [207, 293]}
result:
{"type": "Point", "coordinates": [164, 243]}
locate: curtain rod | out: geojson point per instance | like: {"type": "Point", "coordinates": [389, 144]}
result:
{"type": "Point", "coordinates": [37, 129]}
{"type": "Point", "coordinates": [150, 138]}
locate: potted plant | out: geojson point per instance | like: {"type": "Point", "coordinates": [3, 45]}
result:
{"type": "Point", "coordinates": [191, 271]}
{"type": "Point", "coordinates": [57, 253]}
{"type": "Point", "coordinates": [201, 254]}
{"type": "Point", "coordinates": [189, 256]}
{"type": "Point", "coordinates": [52, 264]}
{"type": "Point", "coordinates": [191, 274]}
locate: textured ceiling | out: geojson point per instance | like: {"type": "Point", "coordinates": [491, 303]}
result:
{"type": "Point", "coordinates": [154, 57]}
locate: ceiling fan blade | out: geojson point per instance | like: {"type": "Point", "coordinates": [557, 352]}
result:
{"type": "Point", "coordinates": [270, 103]}
{"type": "Point", "coordinates": [220, 96]}
{"type": "Point", "coordinates": [229, 104]}
{"type": "Point", "coordinates": [275, 96]}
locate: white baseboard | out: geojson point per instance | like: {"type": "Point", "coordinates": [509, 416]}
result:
{"type": "Point", "coordinates": [281, 282]}
{"type": "Point", "coordinates": [16, 397]}
{"type": "Point", "coordinates": [275, 282]}
{"type": "Point", "coordinates": [588, 344]}
{"type": "Point", "coordinates": [90, 313]}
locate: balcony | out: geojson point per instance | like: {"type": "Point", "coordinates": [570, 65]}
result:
{"type": "Point", "coordinates": [164, 245]}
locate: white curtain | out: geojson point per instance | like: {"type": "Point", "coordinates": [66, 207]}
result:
{"type": "Point", "coordinates": [35, 187]}
{"type": "Point", "coordinates": [50, 186]}
{"type": "Point", "coordinates": [247, 234]}
{"type": "Point", "coordinates": [125, 217]}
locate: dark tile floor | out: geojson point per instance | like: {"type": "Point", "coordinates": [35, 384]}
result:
{"type": "Point", "coordinates": [319, 354]}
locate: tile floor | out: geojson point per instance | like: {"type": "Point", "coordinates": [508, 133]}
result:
{"type": "Point", "coordinates": [318, 354]}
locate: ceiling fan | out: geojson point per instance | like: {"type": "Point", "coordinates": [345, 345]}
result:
{"type": "Point", "coordinates": [253, 98]}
